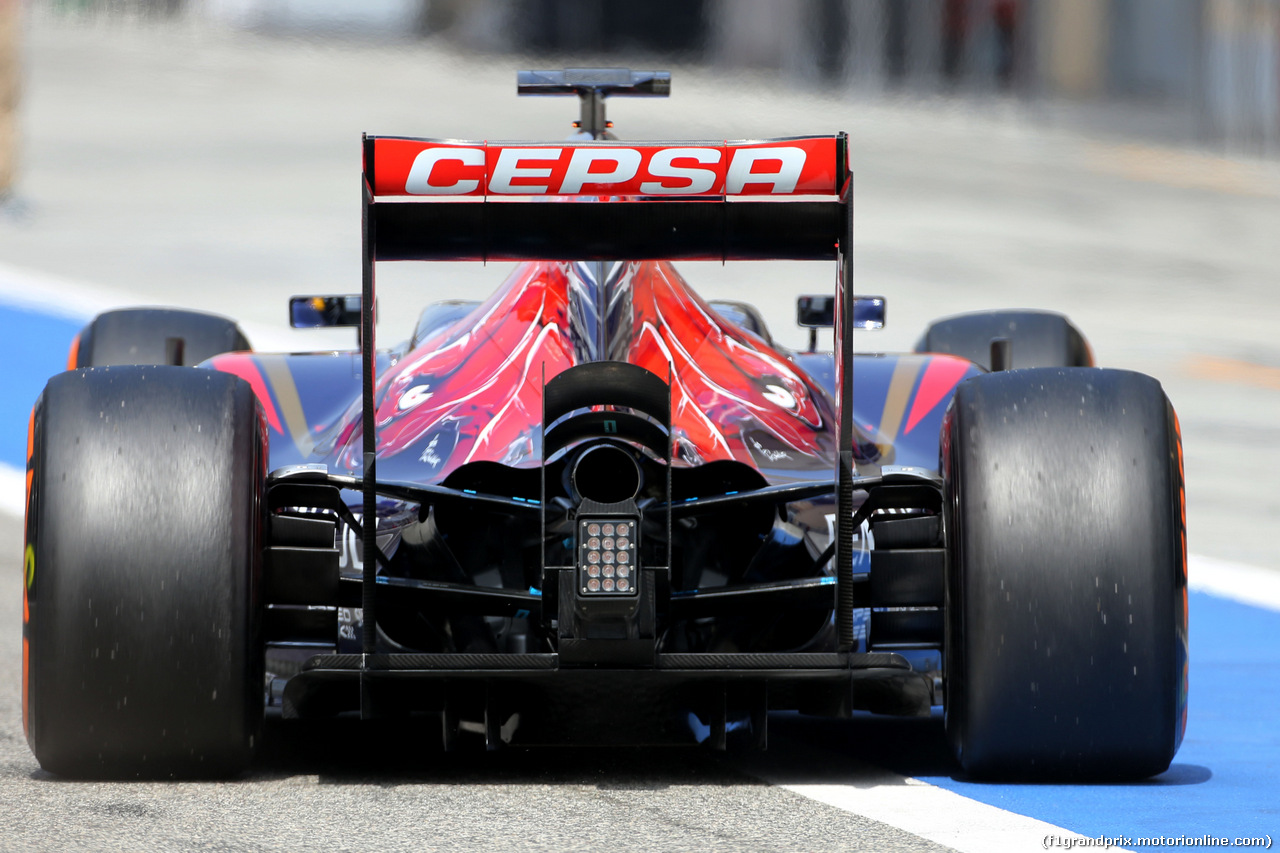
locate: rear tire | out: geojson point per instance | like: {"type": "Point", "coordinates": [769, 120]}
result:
{"type": "Point", "coordinates": [141, 335]}
{"type": "Point", "coordinates": [145, 525]}
{"type": "Point", "coordinates": [1036, 338]}
{"type": "Point", "coordinates": [1066, 618]}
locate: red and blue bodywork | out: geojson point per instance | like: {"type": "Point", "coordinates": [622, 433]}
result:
{"type": "Point", "coordinates": [471, 496]}
{"type": "Point", "coordinates": [596, 390]}
{"type": "Point", "coordinates": [466, 402]}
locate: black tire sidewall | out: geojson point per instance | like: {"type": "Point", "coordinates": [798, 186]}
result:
{"type": "Point", "coordinates": [1066, 579]}
{"type": "Point", "coordinates": [1036, 338]}
{"type": "Point", "coordinates": [145, 630]}
{"type": "Point", "coordinates": [139, 335]}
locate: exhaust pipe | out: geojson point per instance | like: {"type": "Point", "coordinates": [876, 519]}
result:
{"type": "Point", "coordinates": [606, 474]}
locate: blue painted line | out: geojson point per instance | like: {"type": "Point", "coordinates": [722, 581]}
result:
{"type": "Point", "coordinates": [1225, 780]}
{"type": "Point", "coordinates": [33, 346]}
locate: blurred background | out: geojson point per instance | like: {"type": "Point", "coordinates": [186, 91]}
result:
{"type": "Point", "coordinates": [1188, 71]}
{"type": "Point", "coordinates": [1114, 160]}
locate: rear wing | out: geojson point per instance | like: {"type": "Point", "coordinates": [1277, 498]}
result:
{"type": "Point", "coordinates": [436, 200]}
{"type": "Point", "coordinates": [784, 199]}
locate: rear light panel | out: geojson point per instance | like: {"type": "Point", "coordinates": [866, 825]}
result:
{"type": "Point", "coordinates": [607, 556]}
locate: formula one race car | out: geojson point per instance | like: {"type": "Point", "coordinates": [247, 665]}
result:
{"type": "Point", "coordinates": [595, 508]}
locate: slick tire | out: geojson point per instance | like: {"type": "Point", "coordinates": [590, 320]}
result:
{"type": "Point", "coordinates": [1066, 638]}
{"type": "Point", "coordinates": [143, 654]}
{"type": "Point", "coordinates": [146, 336]}
{"type": "Point", "coordinates": [1036, 338]}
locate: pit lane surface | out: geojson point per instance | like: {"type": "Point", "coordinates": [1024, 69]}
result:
{"type": "Point", "coordinates": [347, 791]}
{"type": "Point", "coordinates": [184, 165]}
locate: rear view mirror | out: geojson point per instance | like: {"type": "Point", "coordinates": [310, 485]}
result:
{"type": "Point", "coordinates": [318, 312]}
{"type": "Point", "coordinates": [819, 312]}
{"type": "Point", "coordinates": [816, 312]}
{"type": "Point", "coordinates": [868, 312]}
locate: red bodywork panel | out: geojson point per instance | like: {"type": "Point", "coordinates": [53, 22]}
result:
{"type": "Point", "coordinates": [473, 392]}
{"type": "Point", "coordinates": [479, 383]}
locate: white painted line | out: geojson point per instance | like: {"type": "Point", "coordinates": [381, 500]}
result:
{"type": "Point", "coordinates": [80, 301]}
{"type": "Point", "coordinates": [55, 296]}
{"type": "Point", "coordinates": [937, 815]}
{"type": "Point", "coordinates": [1239, 582]}
{"type": "Point", "coordinates": [956, 821]}
{"type": "Point", "coordinates": [13, 491]}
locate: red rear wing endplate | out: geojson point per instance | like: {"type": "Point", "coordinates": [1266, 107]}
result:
{"type": "Point", "coordinates": [786, 199]}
